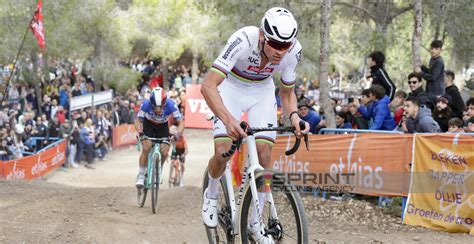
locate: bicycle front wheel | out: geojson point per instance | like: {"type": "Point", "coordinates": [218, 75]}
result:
{"type": "Point", "coordinates": [141, 194]}
{"type": "Point", "coordinates": [290, 225]}
{"type": "Point", "coordinates": [155, 183]}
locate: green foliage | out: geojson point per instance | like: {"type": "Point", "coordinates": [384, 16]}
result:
{"type": "Point", "coordinates": [118, 77]}
{"type": "Point", "coordinates": [105, 31]}
{"type": "Point", "coordinates": [168, 26]}
{"type": "Point", "coordinates": [74, 29]}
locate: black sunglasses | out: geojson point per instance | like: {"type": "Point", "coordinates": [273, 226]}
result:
{"type": "Point", "coordinates": [412, 82]}
{"type": "Point", "coordinates": [280, 46]}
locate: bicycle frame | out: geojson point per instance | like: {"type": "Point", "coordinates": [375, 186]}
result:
{"type": "Point", "coordinates": [151, 154]}
{"type": "Point", "coordinates": [248, 178]}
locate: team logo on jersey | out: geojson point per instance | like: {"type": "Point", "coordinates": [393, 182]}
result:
{"type": "Point", "coordinates": [253, 60]}
{"type": "Point", "coordinates": [231, 47]}
{"type": "Point", "coordinates": [257, 69]}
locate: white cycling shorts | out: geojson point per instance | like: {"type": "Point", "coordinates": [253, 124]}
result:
{"type": "Point", "coordinates": [256, 99]}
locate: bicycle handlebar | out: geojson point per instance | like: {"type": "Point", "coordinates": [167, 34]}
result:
{"type": "Point", "coordinates": [159, 140]}
{"type": "Point", "coordinates": [252, 130]}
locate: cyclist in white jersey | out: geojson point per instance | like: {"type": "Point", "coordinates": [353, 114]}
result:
{"type": "Point", "coordinates": [241, 80]}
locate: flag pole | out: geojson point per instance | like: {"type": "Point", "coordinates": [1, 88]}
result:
{"type": "Point", "coordinates": [19, 50]}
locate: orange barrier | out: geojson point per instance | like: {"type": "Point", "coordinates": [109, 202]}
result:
{"type": "Point", "coordinates": [37, 165]}
{"type": "Point", "coordinates": [441, 192]}
{"type": "Point", "coordinates": [124, 135]}
{"type": "Point", "coordinates": [369, 164]}
{"type": "Point", "coordinates": [196, 109]}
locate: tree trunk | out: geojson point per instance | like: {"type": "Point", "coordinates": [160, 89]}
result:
{"type": "Point", "coordinates": [164, 65]}
{"type": "Point", "coordinates": [417, 30]}
{"type": "Point", "coordinates": [194, 68]}
{"type": "Point", "coordinates": [381, 38]}
{"type": "Point", "coordinates": [437, 29]}
{"type": "Point", "coordinates": [445, 34]}
{"type": "Point", "coordinates": [440, 18]}
{"type": "Point", "coordinates": [323, 64]}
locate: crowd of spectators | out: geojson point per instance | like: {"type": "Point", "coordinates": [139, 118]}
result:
{"type": "Point", "coordinates": [35, 116]}
{"type": "Point", "coordinates": [42, 111]}
{"type": "Point", "coordinates": [437, 108]}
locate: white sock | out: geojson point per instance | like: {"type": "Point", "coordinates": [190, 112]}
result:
{"type": "Point", "coordinates": [262, 198]}
{"type": "Point", "coordinates": [142, 170]}
{"type": "Point", "coordinates": [213, 187]}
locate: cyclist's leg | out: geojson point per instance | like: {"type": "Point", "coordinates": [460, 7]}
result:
{"type": "Point", "coordinates": [164, 149]}
{"type": "Point", "coordinates": [143, 163]}
{"type": "Point", "coordinates": [232, 98]}
{"type": "Point", "coordinates": [146, 146]}
{"type": "Point", "coordinates": [182, 159]}
{"type": "Point", "coordinates": [217, 165]}
{"type": "Point", "coordinates": [174, 165]}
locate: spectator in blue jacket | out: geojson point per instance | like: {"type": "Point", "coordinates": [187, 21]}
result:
{"type": "Point", "coordinates": [64, 97]}
{"type": "Point", "coordinates": [379, 111]}
{"type": "Point", "coordinates": [308, 115]}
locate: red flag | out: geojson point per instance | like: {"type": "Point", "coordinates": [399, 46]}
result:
{"type": "Point", "coordinates": [37, 25]}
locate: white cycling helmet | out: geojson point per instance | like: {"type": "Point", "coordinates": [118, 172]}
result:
{"type": "Point", "coordinates": [158, 97]}
{"type": "Point", "coordinates": [279, 24]}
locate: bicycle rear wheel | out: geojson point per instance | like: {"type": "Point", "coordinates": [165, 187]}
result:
{"type": "Point", "coordinates": [221, 233]}
{"type": "Point", "coordinates": [155, 183]}
{"type": "Point", "coordinates": [290, 226]}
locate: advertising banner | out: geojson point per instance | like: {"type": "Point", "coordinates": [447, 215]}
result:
{"type": "Point", "coordinates": [442, 183]}
{"type": "Point", "coordinates": [124, 135]}
{"type": "Point", "coordinates": [196, 109]}
{"type": "Point", "coordinates": [369, 164]}
{"type": "Point", "coordinates": [36, 165]}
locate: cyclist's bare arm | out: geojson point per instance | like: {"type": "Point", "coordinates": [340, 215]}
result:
{"type": "Point", "coordinates": [139, 125]}
{"type": "Point", "coordinates": [180, 126]}
{"type": "Point", "coordinates": [288, 101]}
{"type": "Point", "coordinates": [214, 101]}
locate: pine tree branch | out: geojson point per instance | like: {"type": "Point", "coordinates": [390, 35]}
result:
{"type": "Point", "coordinates": [363, 10]}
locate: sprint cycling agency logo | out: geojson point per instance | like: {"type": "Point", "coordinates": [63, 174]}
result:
{"type": "Point", "coordinates": [231, 47]}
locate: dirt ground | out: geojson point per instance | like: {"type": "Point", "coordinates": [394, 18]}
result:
{"type": "Point", "coordinates": [100, 206]}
